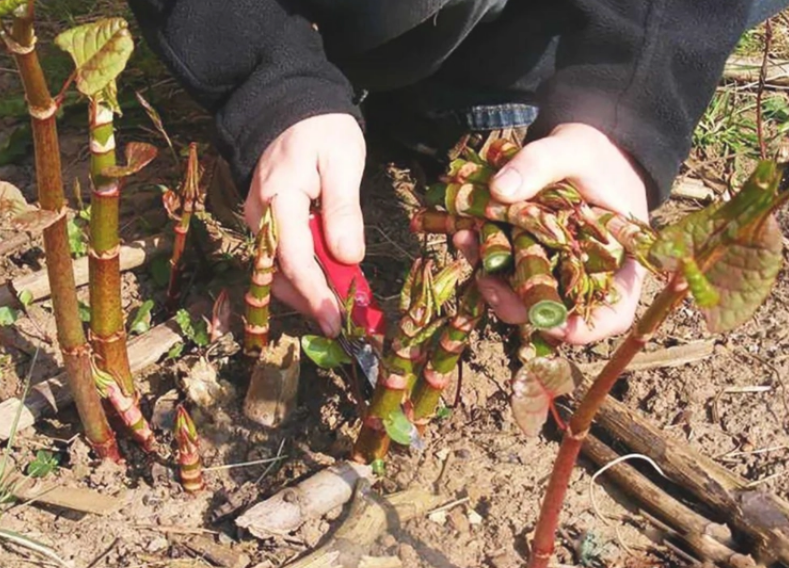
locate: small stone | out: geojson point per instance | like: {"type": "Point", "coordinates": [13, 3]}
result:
{"type": "Point", "coordinates": [158, 544]}
{"type": "Point", "coordinates": [388, 541]}
{"type": "Point", "coordinates": [408, 555]}
{"type": "Point", "coordinates": [463, 453]}
{"type": "Point", "coordinates": [225, 539]}
{"type": "Point", "coordinates": [474, 518]}
{"type": "Point", "coordinates": [442, 453]}
{"type": "Point", "coordinates": [439, 517]}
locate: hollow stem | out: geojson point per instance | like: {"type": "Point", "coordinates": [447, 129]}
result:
{"type": "Point", "coordinates": [578, 428]}
{"type": "Point", "coordinates": [535, 284]}
{"type": "Point", "coordinates": [71, 337]}
{"type": "Point", "coordinates": [495, 248]}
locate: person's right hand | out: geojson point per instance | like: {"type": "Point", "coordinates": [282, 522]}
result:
{"type": "Point", "coordinates": [319, 157]}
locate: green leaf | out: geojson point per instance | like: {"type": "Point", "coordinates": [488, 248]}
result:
{"type": "Point", "coordinates": [160, 271]}
{"type": "Point", "coordinates": [142, 319]}
{"type": "Point", "coordinates": [399, 428]}
{"type": "Point", "coordinates": [8, 316]}
{"type": "Point", "coordinates": [84, 311]}
{"type": "Point", "coordinates": [326, 353]}
{"type": "Point", "coordinates": [175, 351]}
{"type": "Point", "coordinates": [11, 200]}
{"type": "Point", "coordinates": [194, 330]}
{"type": "Point", "coordinates": [13, 107]}
{"type": "Point", "coordinates": [100, 51]}
{"type": "Point", "coordinates": [76, 239]}
{"type": "Point", "coordinates": [25, 297]}
{"type": "Point", "coordinates": [8, 6]}
{"type": "Point", "coordinates": [443, 413]}
{"type": "Point", "coordinates": [44, 464]}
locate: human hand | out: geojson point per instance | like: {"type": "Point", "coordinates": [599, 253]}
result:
{"type": "Point", "coordinates": [605, 176]}
{"type": "Point", "coordinates": [318, 157]}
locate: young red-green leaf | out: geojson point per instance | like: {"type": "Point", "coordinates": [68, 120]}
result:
{"type": "Point", "coordinates": [11, 200]}
{"type": "Point", "coordinates": [736, 246]}
{"type": "Point", "coordinates": [220, 318]}
{"type": "Point", "coordinates": [534, 388]}
{"type": "Point", "coordinates": [138, 155]}
{"type": "Point", "coordinates": [100, 51]}
{"type": "Point", "coordinates": [8, 6]}
{"type": "Point", "coordinates": [326, 353]}
{"type": "Point", "coordinates": [172, 204]}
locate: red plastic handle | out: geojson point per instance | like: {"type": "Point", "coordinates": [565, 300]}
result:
{"type": "Point", "coordinates": [366, 312]}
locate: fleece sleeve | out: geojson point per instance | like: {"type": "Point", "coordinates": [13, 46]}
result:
{"type": "Point", "coordinates": [256, 65]}
{"type": "Point", "coordinates": [642, 72]}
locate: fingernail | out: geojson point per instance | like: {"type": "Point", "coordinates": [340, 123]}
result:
{"type": "Point", "coordinates": [507, 182]}
{"type": "Point", "coordinates": [330, 326]}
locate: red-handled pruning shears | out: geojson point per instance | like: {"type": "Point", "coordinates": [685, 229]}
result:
{"type": "Point", "coordinates": [365, 313]}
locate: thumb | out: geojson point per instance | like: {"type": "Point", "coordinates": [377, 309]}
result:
{"type": "Point", "coordinates": [342, 214]}
{"type": "Point", "coordinates": [538, 164]}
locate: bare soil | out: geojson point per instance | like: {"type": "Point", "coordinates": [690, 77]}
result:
{"type": "Point", "coordinates": [476, 453]}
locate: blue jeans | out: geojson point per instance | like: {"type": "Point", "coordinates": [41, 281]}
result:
{"type": "Point", "coordinates": [432, 112]}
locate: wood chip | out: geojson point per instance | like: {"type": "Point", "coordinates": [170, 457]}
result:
{"type": "Point", "coordinates": [216, 553]}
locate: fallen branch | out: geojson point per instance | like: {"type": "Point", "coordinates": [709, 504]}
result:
{"type": "Point", "coordinates": [668, 357]}
{"type": "Point", "coordinates": [49, 396]}
{"type": "Point", "coordinates": [288, 509]}
{"type": "Point", "coordinates": [747, 70]}
{"type": "Point", "coordinates": [761, 516]}
{"type": "Point", "coordinates": [132, 255]}
{"type": "Point", "coordinates": [78, 499]}
{"type": "Point", "coordinates": [369, 516]}
{"type": "Point", "coordinates": [707, 540]}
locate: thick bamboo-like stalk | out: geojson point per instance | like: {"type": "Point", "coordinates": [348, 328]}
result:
{"type": "Point", "coordinates": [107, 332]}
{"type": "Point", "coordinates": [579, 425]}
{"type": "Point", "coordinates": [258, 298]}
{"type": "Point", "coordinates": [71, 337]}
{"type": "Point", "coordinates": [421, 299]}
{"type": "Point", "coordinates": [189, 195]}
{"type": "Point", "coordinates": [535, 284]}
{"type": "Point", "coordinates": [453, 341]}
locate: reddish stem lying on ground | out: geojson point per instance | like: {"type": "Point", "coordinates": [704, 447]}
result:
{"type": "Point", "coordinates": [71, 337]}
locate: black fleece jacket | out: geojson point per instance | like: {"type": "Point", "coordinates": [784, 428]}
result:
{"type": "Point", "coordinates": [641, 71]}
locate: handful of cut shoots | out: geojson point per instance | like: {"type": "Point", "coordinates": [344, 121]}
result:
{"type": "Point", "coordinates": [560, 255]}
{"type": "Point", "coordinates": [558, 252]}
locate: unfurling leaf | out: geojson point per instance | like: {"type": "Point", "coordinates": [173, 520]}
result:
{"type": "Point", "coordinates": [399, 428]}
{"type": "Point", "coordinates": [76, 239]}
{"type": "Point", "coordinates": [534, 388]}
{"type": "Point", "coordinates": [44, 464]}
{"type": "Point", "coordinates": [138, 155]}
{"type": "Point", "coordinates": [735, 245]}
{"type": "Point", "coordinates": [8, 6]}
{"type": "Point", "coordinates": [172, 203]}
{"type": "Point", "coordinates": [100, 51]}
{"type": "Point", "coordinates": [142, 319]}
{"type": "Point", "coordinates": [175, 351]}
{"type": "Point", "coordinates": [326, 353]}
{"type": "Point", "coordinates": [194, 330]}
{"type": "Point", "coordinates": [220, 318]}
{"type": "Point", "coordinates": [36, 220]}
{"type": "Point", "coordinates": [11, 200]}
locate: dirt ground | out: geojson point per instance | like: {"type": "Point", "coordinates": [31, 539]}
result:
{"type": "Point", "coordinates": [476, 454]}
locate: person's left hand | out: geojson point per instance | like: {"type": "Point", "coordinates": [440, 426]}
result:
{"type": "Point", "coordinates": [605, 176]}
